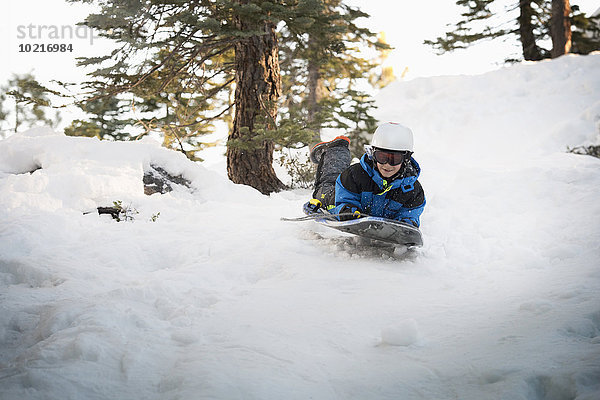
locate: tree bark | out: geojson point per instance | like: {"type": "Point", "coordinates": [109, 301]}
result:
{"type": "Point", "coordinates": [258, 86]}
{"type": "Point", "coordinates": [315, 87]}
{"type": "Point", "coordinates": [560, 28]}
{"type": "Point", "coordinates": [531, 52]}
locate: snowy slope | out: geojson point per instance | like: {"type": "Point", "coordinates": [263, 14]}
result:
{"type": "Point", "coordinates": [218, 299]}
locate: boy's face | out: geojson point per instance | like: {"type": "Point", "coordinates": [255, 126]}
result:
{"type": "Point", "coordinates": [387, 170]}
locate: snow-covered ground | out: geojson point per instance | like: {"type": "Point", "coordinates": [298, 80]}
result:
{"type": "Point", "coordinates": [219, 299]}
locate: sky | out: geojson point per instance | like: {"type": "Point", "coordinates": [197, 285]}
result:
{"type": "Point", "coordinates": [25, 21]}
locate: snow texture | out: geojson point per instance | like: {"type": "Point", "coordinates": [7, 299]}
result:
{"type": "Point", "coordinates": [219, 299]}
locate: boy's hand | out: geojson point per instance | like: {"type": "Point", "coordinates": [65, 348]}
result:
{"type": "Point", "coordinates": [349, 210]}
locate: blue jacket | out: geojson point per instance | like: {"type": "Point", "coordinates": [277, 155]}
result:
{"type": "Point", "coordinates": [361, 187]}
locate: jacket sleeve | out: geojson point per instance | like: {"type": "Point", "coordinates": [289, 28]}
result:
{"type": "Point", "coordinates": [413, 206]}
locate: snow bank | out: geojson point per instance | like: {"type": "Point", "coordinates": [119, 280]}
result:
{"type": "Point", "coordinates": [501, 117]}
{"type": "Point", "coordinates": [50, 171]}
{"type": "Point", "coordinates": [218, 299]}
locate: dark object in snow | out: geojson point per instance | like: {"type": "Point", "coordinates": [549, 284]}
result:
{"type": "Point", "coordinates": [29, 171]}
{"type": "Point", "coordinates": [157, 180]}
{"type": "Point", "coordinates": [119, 212]}
{"type": "Point", "coordinates": [37, 168]}
{"type": "Point", "coordinates": [112, 211]}
{"type": "Point", "coordinates": [593, 151]}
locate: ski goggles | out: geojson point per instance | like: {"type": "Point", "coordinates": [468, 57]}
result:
{"type": "Point", "coordinates": [392, 158]}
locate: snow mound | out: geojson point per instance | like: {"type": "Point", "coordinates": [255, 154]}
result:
{"type": "Point", "coordinates": [501, 117]}
{"type": "Point", "coordinates": [48, 170]}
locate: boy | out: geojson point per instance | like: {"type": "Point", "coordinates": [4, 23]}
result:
{"type": "Point", "coordinates": [383, 184]}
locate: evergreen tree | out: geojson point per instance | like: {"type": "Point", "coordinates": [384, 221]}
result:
{"type": "Point", "coordinates": [3, 114]}
{"type": "Point", "coordinates": [105, 121]}
{"type": "Point", "coordinates": [31, 103]}
{"type": "Point", "coordinates": [174, 106]}
{"type": "Point", "coordinates": [477, 13]}
{"type": "Point", "coordinates": [183, 107]}
{"type": "Point", "coordinates": [258, 87]}
{"type": "Point", "coordinates": [194, 37]}
{"type": "Point", "coordinates": [323, 70]}
{"type": "Point", "coordinates": [183, 56]}
{"type": "Point", "coordinates": [532, 26]}
{"type": "Point", "coordinates": [585, 33]}
{"type": "Point", "coordinates": [560, 28]}
{"type": "Point", "coordinates": [528, 33]}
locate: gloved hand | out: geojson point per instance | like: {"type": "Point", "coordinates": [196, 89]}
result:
{"type": "Point", "coordinates": [349, 210]}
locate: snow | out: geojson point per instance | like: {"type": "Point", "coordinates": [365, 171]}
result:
{"type": "Point", "coordinates": [403, 333]}
{"type": "Point", "coordinates": [219, 299]}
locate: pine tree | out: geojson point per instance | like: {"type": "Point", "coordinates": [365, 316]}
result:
{"type": "Point", "coordinates": [31, 103]}
{"type": "Point", "coordinates": [3, 114]}
{"type": "Point", "coordinates": [477, 13]}
{"type": "Point", "coordinates": [532, 26]}
{"type": "Point", "coordinates": [105, 121]}
{"type": "Point", "coordinates": [527, 31]}
{"type": "Point", "coordinates": [258, 87]}
{"type": "Point", "coordinates": [585, 34]}
{"type": "Point", "coordinates": [176, 107]}
{"type": "Point", "coordinates": [322, 71]}
{"type": "Point", "coordinates": [195, 36]}
{"type": "Point", "coordinates": [180, 107]}
{"type": "Point", "coordinates": [560, 28]}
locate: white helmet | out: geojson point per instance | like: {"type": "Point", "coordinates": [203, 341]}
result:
{"type": "Point", "coordinates": [393, 136]}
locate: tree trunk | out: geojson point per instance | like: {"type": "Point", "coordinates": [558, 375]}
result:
{"type": "Point", "coordinates": [258, 86]}
{"type": "Point", "coordinates": [17, 119]}
{"type": "Point", "coordinates": [560, 28]}
{"type": "Point", "coordinates": [315, 88]}
{"type": "Point", "coordinates": [531, 52]}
